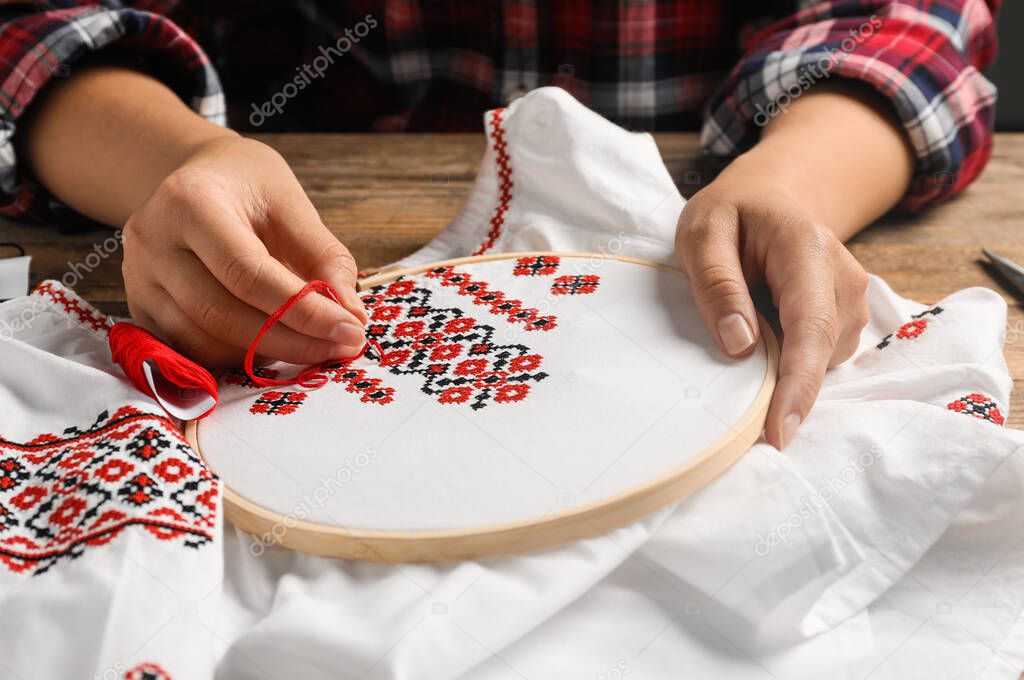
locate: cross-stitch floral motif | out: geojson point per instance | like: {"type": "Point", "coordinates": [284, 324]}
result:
{"type": "Point", "coordinates": [61, 494]}
{"type": "Point", "coordinates": [581, 284]}
{"type": "Point", "coordinates": [979, 406]}
{"type": "Point", "coordinates": [912, 329]}
{"type": "Point", "coordinates": [539, 265]}
{"type": "Point", "coordinates": [455, 354]}
{"type": "Point", "coordinates": [278, 402]}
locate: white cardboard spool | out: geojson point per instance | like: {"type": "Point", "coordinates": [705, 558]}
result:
{"type": "Point", "coordinates": [636, 408]}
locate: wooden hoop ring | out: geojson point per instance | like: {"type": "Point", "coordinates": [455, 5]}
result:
{"type": "Point", "coordinates": [551, 529]}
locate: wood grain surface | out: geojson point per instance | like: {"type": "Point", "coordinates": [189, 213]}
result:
{"type": "Point", "coordinates": [385, 195]}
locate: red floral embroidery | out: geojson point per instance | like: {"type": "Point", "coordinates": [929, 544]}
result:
{"type": "Point", "coordinates": [147, 671]}
{"type": "Point", "coordinates": [505, 184]}
{"type": "Point", "coordinates": [277, 402]}
{"type": "Point", "coordinates": [583, 284]}
{"type": "Point", "coordinates": [979, 406]}
{"type": "Point", "coordinates": [913, 328]}
{"type": "Point", "coordinates": [455, 354]}
{"type": "Point", "coordinates": [495, 300]}
{"type": "Point", "coordinates": [83, 487]}
{"type": "Point", "coordinates": [74, 307]}
{"type": "Point", "coordinates": [541, 265]}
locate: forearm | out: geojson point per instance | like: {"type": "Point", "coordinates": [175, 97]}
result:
{"type": "Point", "coordinates": [102, 140]}
{"type": "Point", "coordinates": [843, 153]}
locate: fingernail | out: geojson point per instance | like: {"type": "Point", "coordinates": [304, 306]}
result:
{"type": "Point", "coordinates": [735, 333]}
{"type": "Point", "coordinates": [789, 425]}
{"type": "Point", "coordinates": [347, 333]}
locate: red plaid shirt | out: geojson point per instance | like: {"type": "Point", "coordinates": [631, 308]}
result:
{"type": "Point", "coordinates": [418, 65]}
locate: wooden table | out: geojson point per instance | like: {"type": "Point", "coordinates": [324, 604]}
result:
{"type": "Point", "coordinates": [385, 195]}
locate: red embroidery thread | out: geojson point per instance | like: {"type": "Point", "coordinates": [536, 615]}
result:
{"type": "Point", "coordinates": [505, 183]}
{"type": "Point", "coordinates": [541, 265]}
{"type": "Point", "coordinates": [912, 329]}
{"type": "Point", "coordinates": [979, 406]}
{"type": "Point", "coordinates": [455, 354]}
{"type": "Point", "coordinates": [66, 492]}
{"type": "Point", "coordinates": [583, 284]}
{"type": "Point", "coordinates": [74, 307]}
{"type": "Point", "coordinates": [495, 300]}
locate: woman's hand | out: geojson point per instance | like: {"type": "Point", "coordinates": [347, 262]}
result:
{"type": "Point", "coordinates": [218, 233]}
{"type": "Point", "coordinates": [224, 240]}
{"type": "Point", "coordinates": [778, 215]}
{"type": "Point", "coordinates": [748, 228]}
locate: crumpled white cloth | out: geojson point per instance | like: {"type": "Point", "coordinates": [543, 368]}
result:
{"type": "Point", "coordinates": [884, 542]}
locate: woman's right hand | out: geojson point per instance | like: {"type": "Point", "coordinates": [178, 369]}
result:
{"type": "Point", "coordinates": [221, 243]}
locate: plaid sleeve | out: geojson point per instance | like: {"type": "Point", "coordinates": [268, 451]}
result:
{"type": "Point", "coordinates": [922, 55]}
{"type": "Point", "coordinates": [40, 41]}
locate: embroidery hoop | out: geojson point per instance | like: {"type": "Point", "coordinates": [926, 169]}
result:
{"type": "Point", "coordinates": [550, 530]}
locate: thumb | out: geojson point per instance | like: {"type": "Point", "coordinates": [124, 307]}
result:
{"type": "Point", "coordinates": [707, 245]}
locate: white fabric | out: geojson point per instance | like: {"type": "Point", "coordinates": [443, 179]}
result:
{"type": "Point", "coordinates": [911, 569]}
{"type": "Point", "coordinates": [621, 386]}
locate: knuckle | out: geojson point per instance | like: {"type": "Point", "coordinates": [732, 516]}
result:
{"type": "Point", "coordinates": [816, 239]}
{"type": "Point", "coordinates": [700, 221]}
{"type": "Point", "coordinates": [716, 283]}
{"type": "Point", "coordinates": [821, 329]}
{"type": "Point", "coordinates": [242, 274]}
{"type": "Point", "coordinates": [187, 185]}
{"type": "Point", "coordinates": [212, 316]}
{"type": "Point", "coordinates": [858, 279]}
{"type": "Point", "coordinates": [341, 257]}
{"type": "Point", "coordinates": [807, 385]}
{"type": "Point", "coordinates": [305, 314]}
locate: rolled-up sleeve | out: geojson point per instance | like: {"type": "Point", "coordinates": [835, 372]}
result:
{"type": "Point", "coordinates": [924, 56]}
{"type": "Point", "coordinates": [41, 41]}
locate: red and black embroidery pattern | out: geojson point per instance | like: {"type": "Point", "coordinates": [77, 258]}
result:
{"type": "Point", "coordinates": [540, 265]}
{"type": "Point", "coordinates": [60, 494]}
{"type": "Point", "coordinates": [495, 300]}
{"type": "Point", "coordinates": [504, 168]}
{"type": "Point", "coordinates": [581, 284]}
{"type": "Point", "coordinates": [284, 402]}
{"type": "Point", "coordinates": [278, 402]}
{"type": "Point", "coordinates": [455, 354]}
{"type": "Point", "coordinates": [913, 328]}
{"type": "Point", "coordinates": [979, 406]}
{"type": "Point", "coordinates": [73, 306]}
{"type": "Point", "coordinates": [147, 671]}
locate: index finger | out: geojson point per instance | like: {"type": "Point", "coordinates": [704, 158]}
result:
{"type": "Point", "coordinates": [244, 266]}
{"type": "Point", "coordinates": [808, 314]}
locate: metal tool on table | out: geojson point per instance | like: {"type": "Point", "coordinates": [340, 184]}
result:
{"type": "Point", "coordinates": [1012, 272]}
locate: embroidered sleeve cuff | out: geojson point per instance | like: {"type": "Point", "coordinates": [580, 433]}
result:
{"type": "Point", "coordinates": [943, 102]}
{"type": "Point", "coordinates": [38, 47]}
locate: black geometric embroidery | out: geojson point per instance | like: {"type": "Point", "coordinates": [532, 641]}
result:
{"type": "Point", "coordinates": [979, 406]}
{"type": "Point", "coordinates": [85, 486]}
{"type": "Point", "coordinates": [457, 356]}
{"type": "Point", "coordinates": [540, 265]}
{"type": "Point", "coordinates": [583, 284]}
